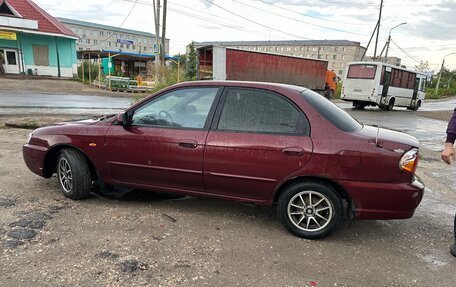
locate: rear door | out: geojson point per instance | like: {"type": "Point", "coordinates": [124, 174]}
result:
{"type": "Point", "coordinates": [258, 138]}
{"type": "Point", "coordinates": [163, 147]}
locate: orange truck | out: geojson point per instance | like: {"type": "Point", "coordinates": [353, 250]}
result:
{"type": "Point", "coordinates": [330, 84]}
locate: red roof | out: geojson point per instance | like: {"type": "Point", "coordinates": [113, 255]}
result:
{"type": "Point", "coordinates": [46, 23]}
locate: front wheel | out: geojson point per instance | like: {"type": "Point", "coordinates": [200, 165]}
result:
{"type": "Point", "coordinates": [73, 174]}
{"type": "Point", "coordinates": [310, 210]}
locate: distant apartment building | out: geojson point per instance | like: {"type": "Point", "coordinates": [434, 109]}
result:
{"type": "Point", "coordinates": [93, 36]}
{"type": "Point", "coordinates": [395, 61]}
{"type": "Point", "coordinates": [337, 52]}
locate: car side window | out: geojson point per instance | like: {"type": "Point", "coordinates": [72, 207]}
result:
{"type": "Point", "coordinates": [183, 108]}
{"type": "Point", "coordinates": [255, 110]}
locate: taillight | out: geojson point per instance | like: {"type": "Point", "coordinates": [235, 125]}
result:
{"type": "Point", "coordinates": [409, 160]}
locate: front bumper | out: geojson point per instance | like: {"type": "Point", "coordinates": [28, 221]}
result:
{"type": "Point", "coordinates": [34, 158]}
{"type": "Point", "coordinates": [377, 200]}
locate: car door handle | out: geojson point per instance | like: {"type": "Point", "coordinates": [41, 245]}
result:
{"type": "Point", "coordinates": [188, 143]}
{"type": "Point", "coordinates": [293, 151]}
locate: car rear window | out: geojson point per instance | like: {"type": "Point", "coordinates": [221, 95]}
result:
{"type": "Point", "coordinates": [331, 112]}
{"type": "Point", "coordinates": [361, 71]}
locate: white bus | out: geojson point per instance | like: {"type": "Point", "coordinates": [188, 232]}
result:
{"type": "Point", "coordinates": [383, 85]}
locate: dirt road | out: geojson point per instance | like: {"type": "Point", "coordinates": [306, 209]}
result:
{"type": "Point", "coordinates": [48, 240]}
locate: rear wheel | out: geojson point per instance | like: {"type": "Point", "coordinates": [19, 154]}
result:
{"type": "Point", "coordinates": [358, 105]}
{"type": "Point", "coordinates": [415, 107]}
{"type": "Point", "coordinates": [388, 107]}
{"type": "Point", "coordinates": [73, 174]}
{"type": "Point", "coordinates": [310, 210]}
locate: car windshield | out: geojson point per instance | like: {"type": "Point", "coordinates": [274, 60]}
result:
{"type": "Point", "coordinates": [331, 112]}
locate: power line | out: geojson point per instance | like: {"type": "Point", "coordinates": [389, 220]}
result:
{"type": "Point", "coordinates": [407, 54]}
{"type": "Point", "coordinates": [306, 15]}
{"type": "Point", "coordinates": [250, 20]}
{"type": "Point", "coordinates": [120, 26]}
{"type": "Point", "coordinates": [205, 18]}
{"type": "Point", "coordinates": [294, 19]}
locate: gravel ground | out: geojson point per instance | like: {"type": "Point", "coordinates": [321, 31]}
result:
{"type": "Point", "coordinates": [48, 240]}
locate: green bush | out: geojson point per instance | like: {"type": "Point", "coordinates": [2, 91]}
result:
{"type": "Point", "coordinates": [442, 93]}
{"type": "Point", "coordinates": [93, 70]}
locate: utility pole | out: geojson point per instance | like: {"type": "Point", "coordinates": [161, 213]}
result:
{"type": "Point", "coordinates": [157, 40]}
{"type": "Point", "coordinates": [378, 29]}
{"type": "Point", "coordinates": [365, 51]}
{"type": "Point", "coordinates": [389, 40]}
{"type": "Point", "coordinates": [163, 40]}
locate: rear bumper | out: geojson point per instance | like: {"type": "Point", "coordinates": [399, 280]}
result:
{"type": "Point", "coordinates": [34, 158]}
{"type": "Point", "coordinates": [376, 200]}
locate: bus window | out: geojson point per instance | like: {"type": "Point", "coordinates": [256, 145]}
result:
{"type": "Point", "coordinates": [361, 71]}
{"type": "Point", "coordinates": [405, 78]}
{"type": "Point", "coordinates": [411, 81]}
{"type": "Point", "coordinates": [397, 75]}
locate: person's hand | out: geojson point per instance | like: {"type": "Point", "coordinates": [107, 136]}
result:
{"type": "Point", "coordinates": [448, 153]}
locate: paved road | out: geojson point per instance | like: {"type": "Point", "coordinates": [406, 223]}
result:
{"type": "Point", "coordinates": [52, 103]}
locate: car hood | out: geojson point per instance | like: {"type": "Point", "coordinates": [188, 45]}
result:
{"type": "Point", "coordinates": [89, 121]}
{"type": "Point", "coordinates": [389, 139]}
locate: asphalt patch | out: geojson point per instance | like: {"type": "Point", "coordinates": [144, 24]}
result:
{"type": "Point", "coordinates": [107, 255]}
{"type": "Point", "coordinates": [22, 233]}
{"type": "Point", "coordinates": [7, 202]}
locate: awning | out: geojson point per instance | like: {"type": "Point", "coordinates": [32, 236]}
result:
{"type": "Point", "coordinates": [119, 55]}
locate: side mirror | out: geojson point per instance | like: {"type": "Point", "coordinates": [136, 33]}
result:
{"type": "Point", "coordinates": [122, 119]}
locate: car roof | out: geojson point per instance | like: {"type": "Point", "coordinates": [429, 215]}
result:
{"type": "Point", "coordinates": [249, 84]}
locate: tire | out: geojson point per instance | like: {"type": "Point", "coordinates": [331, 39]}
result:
{"type": "Point", "coordinates": [415, 107]}
{"type": "Point", "coordinates": [308, 221]}
{"type": "Point", "coordinates": [358, 106]}
{"type": "Point", "coordinates": [73, 174]}
{"type": "Point", "coordinates": [388, 107]}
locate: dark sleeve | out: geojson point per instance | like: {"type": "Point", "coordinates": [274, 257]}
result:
{"type": "Point", "coordinates": [451, 130]}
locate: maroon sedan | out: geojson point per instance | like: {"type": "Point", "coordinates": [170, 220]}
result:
{"type": "Point", "coordinates": [251, 142]}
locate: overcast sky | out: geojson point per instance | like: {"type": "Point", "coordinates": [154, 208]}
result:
{"type": "Point", "coordinates": [429, 35]}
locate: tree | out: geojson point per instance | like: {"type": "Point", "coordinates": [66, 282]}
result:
{"type": "Point", "coordinates": [422, 67]}
{"type": "Point", "coordinates": [190, 65]}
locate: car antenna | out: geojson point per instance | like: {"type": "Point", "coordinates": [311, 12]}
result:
{"type": "Point", "coordinates": [376, 138]}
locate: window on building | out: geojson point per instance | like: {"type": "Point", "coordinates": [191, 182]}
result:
{"type": "Point", "coordinates": [322, 48]}
{"type": "Point", "coordinates": [342, 65]}
{"type": "Point", "coordinates": [133, 47]}
{"type": "Point", "coordinates": [94, 33]}
{"type": "Point", "coordinates": [334, 57]}
{"type": "Point", "coordinates": [335, 49]}
{"type": "Point", "coordinates": [340, 72]}
{"type": "Point", "coordinates": [314, 49]}
{"type": "Point", "coordinates": [128, 37]}
{"type": "Point", "coordinates": [40, 55]}
{"type": "Point", "coordinates": [344, 49]}
{"type": "Point", "coordinates": [128, 46]}
{"type": "Point", "coordinates": [342, 56]}
{"type": "Point", "coordinates": [95, 42]}
{"type": "Point", "coordinates": [102, 33]}
{"type": "Point", "coordinates": [334, 65]}
{"type": "Point", "coordinates": [87, 41]}
{"type": "Point", "coordinates": [326, 56]}
{"type": "Point", "coordinates": [109, 44]}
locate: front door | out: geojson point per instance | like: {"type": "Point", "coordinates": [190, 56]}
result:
{"type": "Point", "coordinates": [386, 80]}
{"type": "Point", "coordinates": [260, 139]}
{"type": "Point", "coordinates": [11, 61]}
{"type": "Point", "coordinates": [163, 148]}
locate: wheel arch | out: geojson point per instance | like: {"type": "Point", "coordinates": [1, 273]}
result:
{"type": "Point", "coordinates": [337, 187]}
{"type": "Point", "coordinates": [50, 160]}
